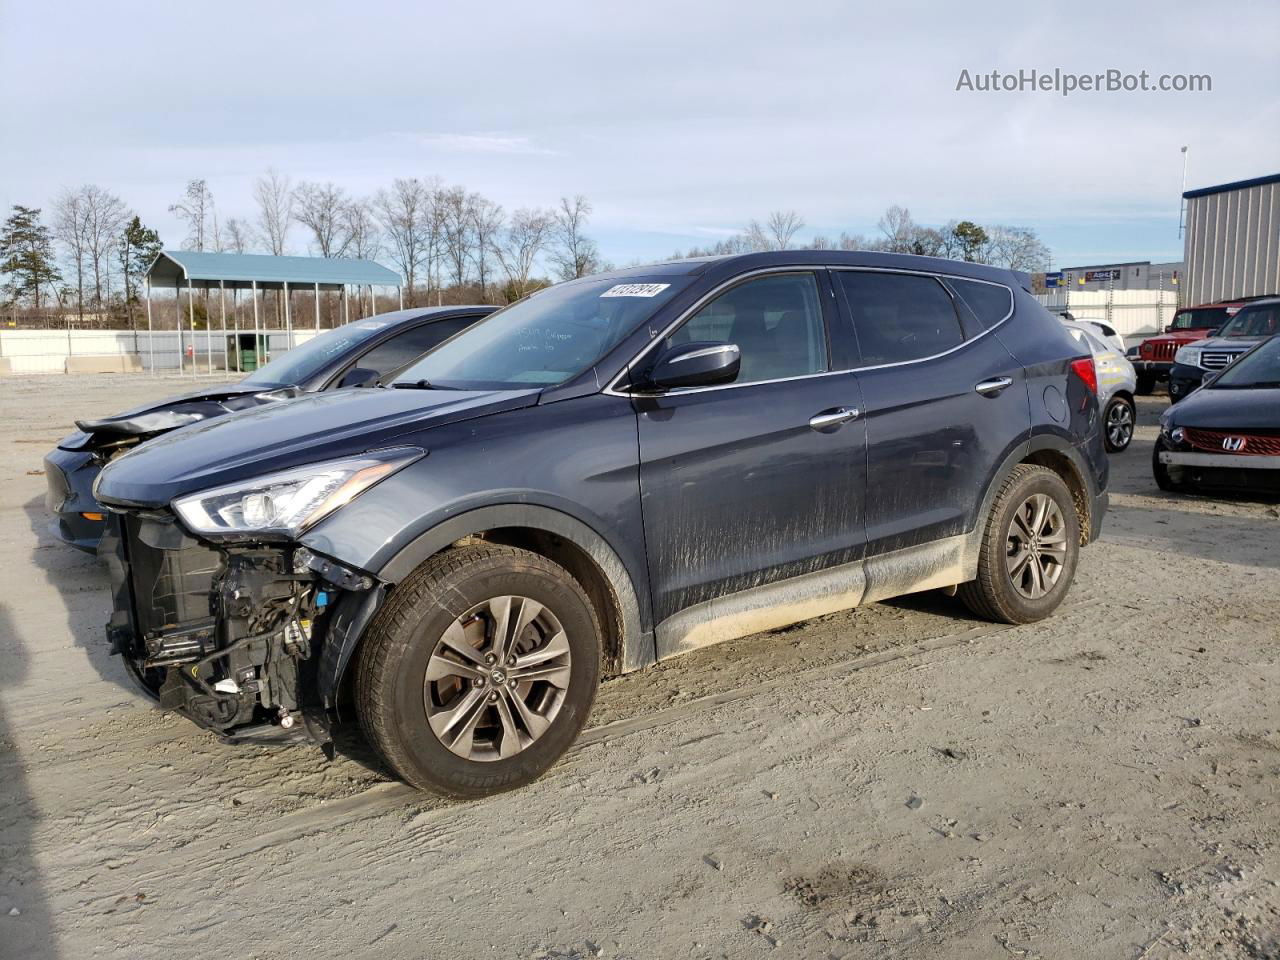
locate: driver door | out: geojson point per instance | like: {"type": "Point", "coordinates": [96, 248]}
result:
{"type": "Point", "coordinates": [745, 484]}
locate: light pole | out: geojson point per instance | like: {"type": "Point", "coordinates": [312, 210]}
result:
{"type": "Point", "coordinates": [1182, 203]}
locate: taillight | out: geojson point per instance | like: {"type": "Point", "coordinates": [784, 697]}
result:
{"type": "Point", "coordinates": [1085, 370]}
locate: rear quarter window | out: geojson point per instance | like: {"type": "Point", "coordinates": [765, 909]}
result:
{"type": "Point", "coordinates": [990, 303]}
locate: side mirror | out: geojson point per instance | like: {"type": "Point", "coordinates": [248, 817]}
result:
{"type": "Point", "coordinates": [698, 364]}
{"type": "Point", "coordinates": [358, 377]}
{"type": "Point", "coordinates": [1168, 328]}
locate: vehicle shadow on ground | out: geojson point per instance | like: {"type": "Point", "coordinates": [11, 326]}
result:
{"type": "Point", "coordinates": [81, 581]}
{"type": "Point", "coordinates": [26, 920]}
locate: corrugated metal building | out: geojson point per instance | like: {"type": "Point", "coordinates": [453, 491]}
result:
{"type": "Point", "coordinates": [1232, 241]}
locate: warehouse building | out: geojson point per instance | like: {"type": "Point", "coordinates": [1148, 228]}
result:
{"type": "Point", "coordinates": [1232, 241]}
{"type": "Point", "coordinates": [1133, 275]}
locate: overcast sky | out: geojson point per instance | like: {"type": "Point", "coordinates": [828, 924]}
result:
{"type": "Point", "coordinates": [680, 121]}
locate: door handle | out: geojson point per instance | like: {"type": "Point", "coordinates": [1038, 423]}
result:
{"type": "Point", "coordinates": [989, 388]}
{"type": "Point", "coordinates": [832, 419]}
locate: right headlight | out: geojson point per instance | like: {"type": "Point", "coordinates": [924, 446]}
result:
{"type": "Point", "coordinates": [1188, 355]}
{"type": "Point", "coordinates": [287, 503]}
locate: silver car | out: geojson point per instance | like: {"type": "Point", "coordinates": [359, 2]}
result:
{"type": "Point", "coordinates": [1117, 381]}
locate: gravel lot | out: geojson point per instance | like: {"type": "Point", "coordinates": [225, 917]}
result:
{"type": "Point", "coordinates": [898, 781]}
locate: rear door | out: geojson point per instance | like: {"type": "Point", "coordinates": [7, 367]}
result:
{"type": "Point", "coordinates": [945, 401]}
{"type": "Point", "coordinates": [746, 484]}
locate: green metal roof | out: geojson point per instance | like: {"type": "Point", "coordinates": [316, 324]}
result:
{"type": "Point", "coordinates": [242, 270]}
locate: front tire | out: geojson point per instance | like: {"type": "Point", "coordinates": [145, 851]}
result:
{"type": "Point", "coordinates": [480, 670]}
{"type": "Point", "coordinates": [1117, 423]}
{"type": "Point", "coordinates": [1029, 549]}
{"type": "Point", "coordinates": [1146, 384]}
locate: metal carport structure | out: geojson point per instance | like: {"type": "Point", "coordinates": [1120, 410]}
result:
{"type": "Point", "coordinates": [198, 270]}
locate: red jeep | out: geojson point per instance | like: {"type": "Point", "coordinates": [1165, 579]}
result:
{"type": "Point", "coordinates": [1155, 355]}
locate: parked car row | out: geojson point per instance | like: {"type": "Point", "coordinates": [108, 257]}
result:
{"type": "Point", "coordinates": [355, 355]}
{"type": "Point", "coordinates": [610, 472]}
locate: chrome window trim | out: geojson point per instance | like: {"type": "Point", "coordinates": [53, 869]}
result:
{"type": "Point", "coordinates": [612, 391]}
{"type": "Point", "coordinates": [707, 352]}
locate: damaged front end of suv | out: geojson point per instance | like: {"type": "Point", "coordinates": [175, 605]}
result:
{"type": "Point", "coordinates": [224, 617]}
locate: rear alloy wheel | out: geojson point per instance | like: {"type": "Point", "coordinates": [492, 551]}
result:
{"type": "Point", "coordinates": [1028, 555]}
{"type": "Point", "coordinates": [479, 671]}
{"type": "Point", "coordinates": [1118, 420]}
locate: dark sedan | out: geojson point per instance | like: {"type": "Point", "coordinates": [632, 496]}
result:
{"type": "Point", "coordinates": [357, 354]}
{"type": "Point", "coordinates": [1226, 435]}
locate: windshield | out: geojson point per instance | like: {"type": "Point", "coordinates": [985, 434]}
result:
{"type": "Point", "coordinates": [307, 359]}
{"type": "Point", "coordinates": [1201, 318]}
{"type": "Point", "coordinates": [1257, 368]}
{"type": "Point", "coordinates": [547, 338]}
{"type": "Point", "coordinates": [1258, 321]}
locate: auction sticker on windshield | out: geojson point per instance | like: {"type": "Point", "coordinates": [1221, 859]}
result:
{"type": "Point", "coordinates": [635, 290]}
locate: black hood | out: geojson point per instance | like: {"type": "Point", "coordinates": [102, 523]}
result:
{"type": "Point", "coordinates": [155, 418]}
{"type": "Point", "coordinates": [1228, 408]}
{"type": "Point", "coordinates": [265, 439]}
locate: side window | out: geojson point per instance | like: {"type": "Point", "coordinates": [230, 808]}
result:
{"type": "Point", "coordinates": [900, 316]}
{"type": "Point", "coordinates": [776, 321]}
{"type": "Point", "coordinates": [410, 345]}
{"type": "Point", "coordinates": [989, 302]}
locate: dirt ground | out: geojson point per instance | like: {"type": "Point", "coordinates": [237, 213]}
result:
{"type": "Point", "coordinates": [898, 781]}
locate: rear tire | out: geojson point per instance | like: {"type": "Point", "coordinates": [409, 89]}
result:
{"type": "Point", "coordinates": [1029, 549]}
{"type": "Point", "coordinates": [1118, 422]}
{"type": "Point", "coordinates": [480, 670]}
{"type": "Point", "coordinates": [1146, 384]}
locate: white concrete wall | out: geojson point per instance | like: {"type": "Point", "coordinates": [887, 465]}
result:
{"type": "Point", "coordinates": [46, 351]}
{"type": "Point", "coordinates": [1131, 312]}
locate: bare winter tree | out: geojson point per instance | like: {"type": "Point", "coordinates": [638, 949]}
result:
{"type": "Point", "coordinates": [321, 208]}
{"type": "Point", "coordinates": [783, 226]}
{"type": "Point", "coordinates": [518, 245]}
{"type": "Point", "coordinates": [402, 212]}
{"type": "Point", "coordinates": [1018, 248]}
{"type": "Point", "coordinates": [106, 216]}
{"type": "Point", "coordinates": [195, 209]}
{"type": "Point", "coordinates": [455, 218]}
{"type": "Point", "coordinates": [756, 237]}
{"type": "Point", "coordinates": [486, 224]}
{"type": "Point", "coordinates": [239, 236]}
{"type": "Point", "coordinates": [275, 209]}
{"type": "Point", "coordinates": [361, 229]}
{"type": "Point", "coordinates": [572, 252]}
{"type": "Point", "coordinates": [898, 229]}
{"type": "Point", "coordinates": [70, 228]}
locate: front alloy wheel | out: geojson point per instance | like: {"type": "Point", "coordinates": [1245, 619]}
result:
{"type": "Point", "coordinates": [479, 671]}
{"type": "Point", "coordinates": [497, 678]}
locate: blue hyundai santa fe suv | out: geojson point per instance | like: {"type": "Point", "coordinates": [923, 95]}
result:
{"type": "Point", "coordinates": [612, 471]}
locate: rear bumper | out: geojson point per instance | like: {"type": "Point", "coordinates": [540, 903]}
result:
{"type": "Point", "coordinates": [1101, 502]}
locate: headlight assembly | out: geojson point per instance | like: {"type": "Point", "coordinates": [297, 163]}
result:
{"type": "Point", "coordinates": [1188, 355]}
{"type": "Point", "coordinates": [285, 504]}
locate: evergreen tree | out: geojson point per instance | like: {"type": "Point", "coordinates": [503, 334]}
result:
{"type": "Point", "coordinates": [26, 254]}
{"type": "Point", "coordinates": [136, 247]}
